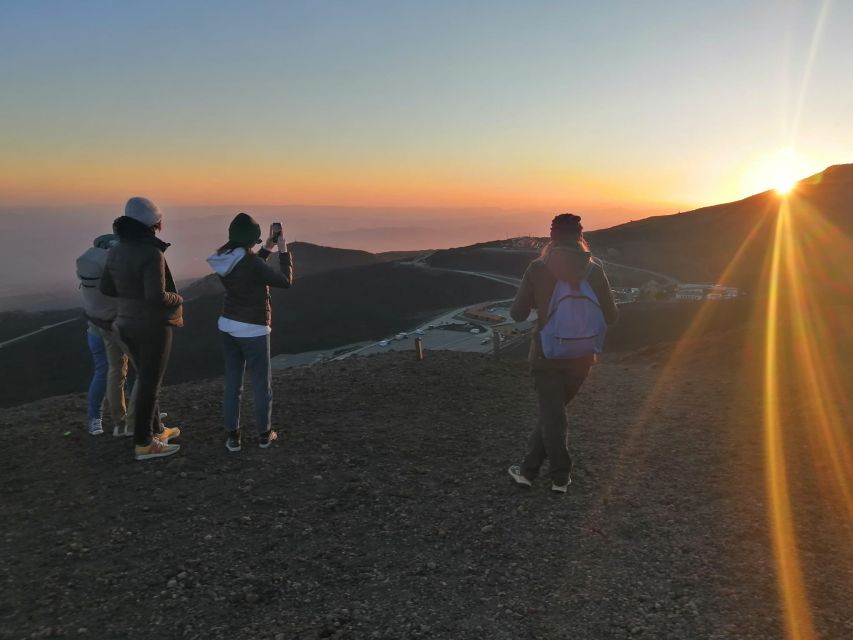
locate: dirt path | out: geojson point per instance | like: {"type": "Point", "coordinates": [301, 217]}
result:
{"type": "Point", "coordinates": [386, 513]}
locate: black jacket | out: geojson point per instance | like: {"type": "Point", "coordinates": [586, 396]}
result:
{"type": "Point", "coordinates": [137, 274]}
{"type": "Point", "coordinates": [247, 281]}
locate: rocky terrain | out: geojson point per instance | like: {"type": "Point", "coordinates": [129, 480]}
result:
{"type": "Point", "coordinates": [385, 512]}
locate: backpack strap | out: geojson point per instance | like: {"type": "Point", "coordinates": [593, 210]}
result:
{"type": "Point", "coordinates": [88, 282]}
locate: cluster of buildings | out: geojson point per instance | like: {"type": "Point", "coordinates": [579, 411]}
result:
{"type": "Point", "coordinates": [525, 242]}
{"type": "Point", "coordinates": [625, 295]}
{"type": "Point", "coordinates": [705, 292]}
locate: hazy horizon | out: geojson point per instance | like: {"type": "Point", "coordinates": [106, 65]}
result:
{"type": "Point", "coordinates": [195, 231]}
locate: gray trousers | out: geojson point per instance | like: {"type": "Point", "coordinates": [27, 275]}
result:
{"type": "Point", "coordinates": [555, 388]}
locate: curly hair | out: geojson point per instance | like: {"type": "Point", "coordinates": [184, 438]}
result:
{"type": "Point", "coordinates": [566, 226]}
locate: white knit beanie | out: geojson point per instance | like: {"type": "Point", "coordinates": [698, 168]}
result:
{"type": "Point", "coordinates": [144, 211]}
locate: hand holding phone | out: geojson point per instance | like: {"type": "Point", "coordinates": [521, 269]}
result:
{"type": "Point", "coordinates": [277, 236]}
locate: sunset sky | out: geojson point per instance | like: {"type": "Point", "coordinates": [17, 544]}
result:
{"type": "Point", "coordinates": [612, 106]}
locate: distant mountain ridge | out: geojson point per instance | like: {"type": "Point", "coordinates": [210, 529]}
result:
{"type": "Point", "coordinates": [695, 245]}
{"type": "Point", "coordinates": [700, 244]}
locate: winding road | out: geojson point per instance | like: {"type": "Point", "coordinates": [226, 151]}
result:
{"type": "Point", "coordinates": [37, 331]}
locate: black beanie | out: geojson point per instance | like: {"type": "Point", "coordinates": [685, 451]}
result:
{"type": "Point", "coordinates": [244, 230]}
{"type": "Point", "coordinates": [566, 227]}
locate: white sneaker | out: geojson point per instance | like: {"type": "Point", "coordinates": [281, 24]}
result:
{"type": "Point", "coordinates": [121, 431]}
{"type": "Point", "coordinates": [515, 473]}
{"type": "Point", "coordinates": [561, 488]}
{"type": "Point", "coordinates": [95, 427]}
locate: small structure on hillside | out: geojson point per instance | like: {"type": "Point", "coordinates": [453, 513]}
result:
{"type": "Point", "coordinates": [524, 242]}
{"type": "Point", "coordinates": [651, 290]}
{"type": "Point", "coordinates": [705, 291]}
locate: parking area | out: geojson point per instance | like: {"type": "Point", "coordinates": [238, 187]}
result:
{"type": "Point", "coordinates": [469, 329]}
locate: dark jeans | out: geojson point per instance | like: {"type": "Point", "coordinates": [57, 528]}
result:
{"type": "Point", "coordinates": [254, 352]}
{"type": "Point", "coordinates": [555, 388]}
{"type": "Point", "coordinates": [149, 351]}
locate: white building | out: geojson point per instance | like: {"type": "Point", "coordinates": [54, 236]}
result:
{"type": "Point", "coordinates": [705, 291]}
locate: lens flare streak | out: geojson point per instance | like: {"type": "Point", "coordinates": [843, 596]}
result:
{"type": "Point", "coordinates": [800, 346]}
{"type": "Point", "coordinates": [789, 574]}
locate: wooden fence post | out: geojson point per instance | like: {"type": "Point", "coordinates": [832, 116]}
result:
{"type": "Point", "coordinates": [419, 349]}
{"type": "Point", "coordinates": [496, 345]}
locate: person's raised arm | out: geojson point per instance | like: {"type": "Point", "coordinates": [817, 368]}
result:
{"type": "Point", "coordinates": [283, 277]}
{"type": "Point", "coordinates": [524, 301]}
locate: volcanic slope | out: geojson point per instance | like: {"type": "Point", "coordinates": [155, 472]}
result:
{"type": "Point", "coordinates": [385, 511]}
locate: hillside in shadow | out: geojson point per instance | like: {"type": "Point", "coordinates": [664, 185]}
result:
{"type": "Point", "coordinates": [321, 311]}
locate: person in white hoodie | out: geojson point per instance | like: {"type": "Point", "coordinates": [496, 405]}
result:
{"type": "Point", "coordinates": [245, 323]}
{"type": "Point", "coordinates": [110, 374]}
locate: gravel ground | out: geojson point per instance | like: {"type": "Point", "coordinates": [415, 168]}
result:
{"type": "Point", "coordinates": [385, 512]}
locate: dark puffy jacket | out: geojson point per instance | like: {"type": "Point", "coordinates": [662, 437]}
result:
{"type": "Point", "coordinates": [247, 278]}
{"type": "Point", "coordinates": [137, 274]}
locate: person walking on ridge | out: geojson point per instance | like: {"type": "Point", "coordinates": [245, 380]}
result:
{"type": "Point", "coordinates": [571, 295]}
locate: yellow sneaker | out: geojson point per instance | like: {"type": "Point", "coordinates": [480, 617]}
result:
{"type": "Point", "coordinates": [157, 449]}
{"type": "Point", "coordinates": [168, 433]}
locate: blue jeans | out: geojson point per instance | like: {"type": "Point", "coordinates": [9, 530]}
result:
{"type": "Point", "coordinates": [254, 353]}
{"type": "Point", "coordinates": [98, 385]}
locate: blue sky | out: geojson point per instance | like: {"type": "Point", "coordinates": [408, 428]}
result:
{"type": "Point", "coordinates": [636, 104]}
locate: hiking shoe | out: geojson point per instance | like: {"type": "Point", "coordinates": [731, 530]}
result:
{"type": "Point", "coordinates": [96, 428]}
{"type": "Point", "coordinates": [156, 449]}
{"type": "Point", "coordinates": [517, 477]}
{"type": "Point", "coordinates": [233, 444]}
{"type": "Point", "coordinates": [168, 433]}
{"type": "Point", "coordinates": [267, 438]}
{"type": "Point", "coordinates": [561, 488]}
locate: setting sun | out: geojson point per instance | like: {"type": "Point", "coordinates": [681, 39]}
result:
{"type": "Point", "coordinates": [779, 171]}
{"type": "Point", "coordinates": [786, 170]}
{"type": "Point", "coordinates": [785, 186]}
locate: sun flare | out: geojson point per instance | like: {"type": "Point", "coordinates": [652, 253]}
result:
{"type": "Point", "coordinates": [779, 171]}
{"type": "Point", "coordinates": [784, 185]}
